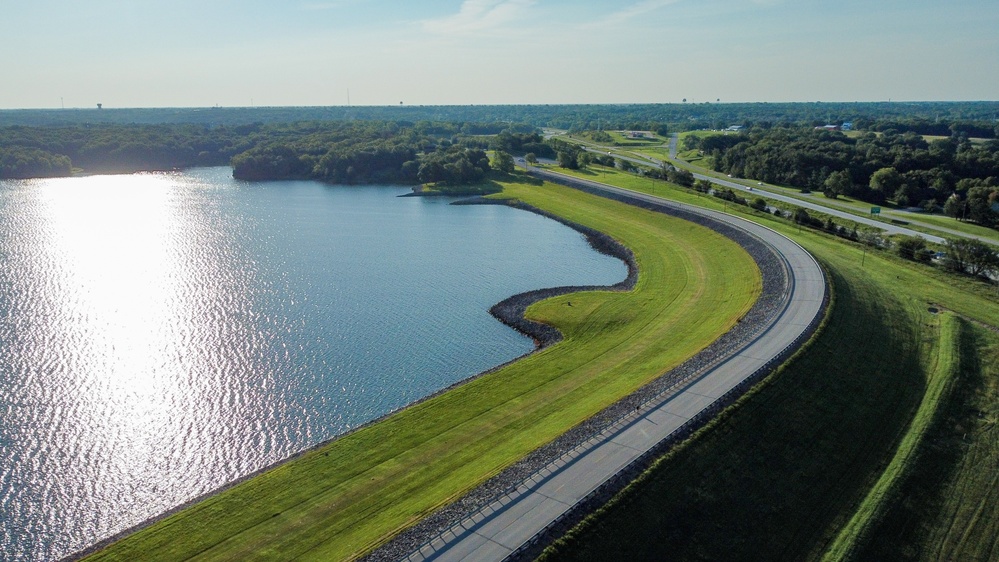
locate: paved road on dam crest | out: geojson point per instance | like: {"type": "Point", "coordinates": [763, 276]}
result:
{"type": "Point", "coordinates": [516, 520]}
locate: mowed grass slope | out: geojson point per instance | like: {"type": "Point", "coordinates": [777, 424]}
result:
{"type": "Point", "coordinates": [942, 368]}
{"type": "Point", "coordinates": [948, 507]}
{"type": "Point", "coordinates": [780, 475]}
{"type": "Point", "coordinates": [769, 480]}
{"type": "Point", "coordinates": [343, 499]}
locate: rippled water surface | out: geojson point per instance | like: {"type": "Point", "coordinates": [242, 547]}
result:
{"type": "Point", "coordinates": [163, 334]}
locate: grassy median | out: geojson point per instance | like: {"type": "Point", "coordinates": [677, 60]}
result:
{"type": "Point", "coordinates": [345, 498]}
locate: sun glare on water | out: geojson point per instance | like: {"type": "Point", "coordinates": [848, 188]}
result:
{"type": "Point", "coordinates": [127, 317]}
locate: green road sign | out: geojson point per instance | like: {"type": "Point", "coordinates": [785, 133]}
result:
{"type": "Point", "coordinates": [875, 210]}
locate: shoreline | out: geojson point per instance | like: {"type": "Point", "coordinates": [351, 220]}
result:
{"type": "Point", "coordinates": [510, 312]}
{"type": "Point", "coordinates": [506, 311]}
{"type": "Point", "coordinates": [768, 305]}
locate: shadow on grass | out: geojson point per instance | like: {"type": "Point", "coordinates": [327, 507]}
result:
{"type": "Point", "coordinates": [488, 186]}
{"type": "Point", "coordinates": [518, 177]}
{"type": "Point", "coordinates": [948, 508]}
{"type": "Point", "coordinates": [777, 476]}
{"type": "Point", "coordinates": [485, 187]}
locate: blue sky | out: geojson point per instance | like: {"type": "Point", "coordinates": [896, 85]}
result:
{"type": "Point", "coordinates": [311, 52]}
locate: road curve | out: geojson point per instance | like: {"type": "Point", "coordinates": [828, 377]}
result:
{"type": "Point", "coordinates": [514, 523]}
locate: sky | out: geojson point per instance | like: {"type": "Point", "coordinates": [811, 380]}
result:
{"type": "Point", "coordinates": [200, 53]}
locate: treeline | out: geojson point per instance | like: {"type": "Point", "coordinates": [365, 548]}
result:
{"type": "Point", "coordinates": [952, 173]}
{"type": "Point", "coordinates": [659, 117]}
{"type": "Point", "coordinates": [335, 152]}
{"type": "Point", "coordinates": [983, 128]}
{"type": "Point", "coordinates": [25, 162]}
{"type": "Point", "coordinates": [53, 151]}
{"type": "Point", "coordinates": [380, 152]}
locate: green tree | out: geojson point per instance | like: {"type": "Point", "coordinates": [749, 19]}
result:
{"type": "Point", "coordinates": [430, 171]}
{"type": "Point", "coordinates": [954, 207]}
{"type": "Point", "coordinates": [910, 247]}
{"type": "Point", "coordinates": [981, 201]}
{"type": "Point", "coordinates": [18, 162]}
{"type": "Point", "coordinates": [502, 161]}
{"type": "Point", "coordinates": [801, 216]}
{"type": "Point", "coordinates": [531, 158]}
{"type": "Point", "coordinates": [982, 259]}
{"type": "Point", "coordinates": [908, 195]}
{"type": "Point", "coordinates": [970, 256]}
{"type": "Point", "coordinates": [838, 183]}
{"type": "Point", "coordinates": [702, 186]}
{"type": "Point", "coordinates": [681, 177]}
{"type": "Point", "coordinates": [566, 160]}
{"type": "Point", "coordinates": [886, 180]}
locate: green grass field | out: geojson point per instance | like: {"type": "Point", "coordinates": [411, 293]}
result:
{"type": "Point", "coordinates": [942, 221]}
{"type": "Point", "coordinates": [343, 499]}
{"type": "Point", "coordinates": [942, 363]}
{"type": "Point", "coordinates": [692, 157]}
{"type": "Point", "coordinates": [848, 423]}
{"type": "Point", "coordinates": [948, 507]}
{"type": "Point", "coordinates": [623, 140]}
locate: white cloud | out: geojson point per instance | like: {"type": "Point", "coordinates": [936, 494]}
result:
{"type": "Point", "coordinates": [478, 15]}
{"type": "Point", "coordinates": [631, 12]}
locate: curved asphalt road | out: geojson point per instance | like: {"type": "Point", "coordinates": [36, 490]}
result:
{"type": "Point", "coordinates": [498, 530]}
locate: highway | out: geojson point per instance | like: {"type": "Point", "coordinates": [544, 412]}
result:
{"type": "Point", "coordinates": [515, 520]}
{"type": "Point", "coordinates": [828, 207]}
{"type": "Point", "coordinates": [887, 227]}
{"type": "Point", "coordinates": [757, 192]}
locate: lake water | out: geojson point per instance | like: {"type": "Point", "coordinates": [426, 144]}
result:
{"type": "Point", "coordinates": [163, 334]}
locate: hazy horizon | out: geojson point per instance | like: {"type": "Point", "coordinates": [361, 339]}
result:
{"type": "Point", "coordinates": [345, 106]}
{"type": "Point", "coordinates": [493, 52]}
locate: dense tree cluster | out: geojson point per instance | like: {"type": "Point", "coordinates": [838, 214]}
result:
{"type": "Point", "coordinates": [116, 148]}
{"type": "Point", "coordinates": [454, 165]}
{"type": "Point", "coordinates": [975, 200]}
{"type": "Point", "coordinates": [502, 161]}
{"type": "Point", "coordinates": [982, 128]}
{"type": "Point", "coordinates": [520, 144]}
{"type": "Point", "coordinates": [568, 155]}
{"type": "Point", "coordinates": [920, 117]}
{"type": "Point", "coordinates": [20, 162]}
{"type": "Point", "coordinates": [904, 168]}
{"type": "Point", "coordinates": [335, 152]}
{"type": "Point", "coordinates": [680, 177]}
{"type": "Point", "coordinates": [973, 257]}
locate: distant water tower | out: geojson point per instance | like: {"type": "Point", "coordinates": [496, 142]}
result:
{"type": "Point", "coordinates": [100, 106]}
